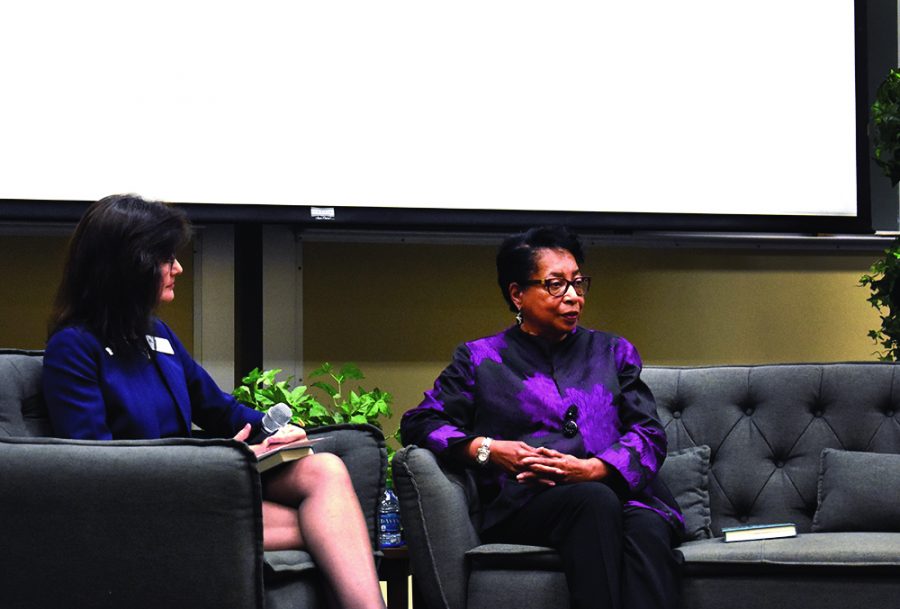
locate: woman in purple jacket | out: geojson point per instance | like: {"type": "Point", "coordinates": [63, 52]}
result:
{"type": "Point", "coordinates": [562, 433]}
{"type": "Point", "coordinates": [114, 371]}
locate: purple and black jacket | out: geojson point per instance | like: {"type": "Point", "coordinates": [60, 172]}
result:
{"type": "Point", "coordinates": [514, 386]}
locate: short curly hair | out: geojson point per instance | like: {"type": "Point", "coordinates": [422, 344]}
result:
{"type": "Point", "coordinates": [517, 256]}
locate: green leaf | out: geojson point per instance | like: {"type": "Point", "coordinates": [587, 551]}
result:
{"type": "Point", "coordinates": [297, 395]}
{"type": "Point", "coordinates": [321, 370]}
{"type": "Point", "coordinates": [327, 388]}
{"type": "Point", "coordinates": [351, 371]}
{"type": "Point", "coordinates": [882, 281]}
{"type": "Point", "coordinates": [251, 377]}
{"type": "Point", "coordinates": [268, 377]}
{"type": "Point", "coordinates": [885, 112]}
{"type": "Point", "coordinates": [317, 410]}
{"type": "Point", "coordinates": [243, 395]}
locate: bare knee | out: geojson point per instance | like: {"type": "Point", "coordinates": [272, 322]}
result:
{"type": "Point", "coordinates": [324, 467]}
{"type": "Point", "coordinates": [321, 472]}
{"type": "Point", "coordinates": [317, 473]}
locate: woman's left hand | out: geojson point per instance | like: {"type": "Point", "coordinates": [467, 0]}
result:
{"type": "Point", "coordinates": [553, 467]}
{"type": "Point", "coordinates": [288, 433]}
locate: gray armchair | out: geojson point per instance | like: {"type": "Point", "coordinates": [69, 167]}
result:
{"type": "Point", "coordinates": [129, 524]}
{"type": "Point", "coordinates": [451, 567]}
{"type": "Point", "coordinates": [160, 523]}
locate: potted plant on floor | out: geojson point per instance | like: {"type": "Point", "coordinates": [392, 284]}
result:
{"type": "Point", "coordinates": [886, 126]}
{"type": "Point", "coordinates": [883, 278]}
{"type": "Point", "coordinates": [339, 404]}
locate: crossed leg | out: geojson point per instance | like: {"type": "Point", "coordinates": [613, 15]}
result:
{"type": "Point", "coordinates": [310, 504]}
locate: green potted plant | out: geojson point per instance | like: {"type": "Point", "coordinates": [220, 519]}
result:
{"type": "Point", "coordinates": [886, 126]}
{"type": "Point", "coordinates": [882, 278]}
{"type": "Point", "coordinates": [883, 281]}
{"type": "Point", "coordinates": [262, 390]}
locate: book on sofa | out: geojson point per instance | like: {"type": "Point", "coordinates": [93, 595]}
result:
{"type": "Point", "coordinates": [755, 532]}
{"type": "Point", "coordinates": [283, 453]}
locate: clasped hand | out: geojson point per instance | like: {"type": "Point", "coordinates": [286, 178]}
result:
{"type": "Point", "coordinates": [288, 433]}
{"type": "Point", "coordinates": [545, 466]}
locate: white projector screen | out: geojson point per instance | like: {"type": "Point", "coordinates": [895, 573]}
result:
{"type": "Point", "coordinates": [691, 107]}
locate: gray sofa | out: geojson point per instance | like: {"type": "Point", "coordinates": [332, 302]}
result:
{"type": "Point", "coordinates": [812, 444]}
{"type": "Point", "coordinates": [147, 524]}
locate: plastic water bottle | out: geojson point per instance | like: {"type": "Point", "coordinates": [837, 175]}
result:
{"type": "Point", "coordinates": [389, 520]}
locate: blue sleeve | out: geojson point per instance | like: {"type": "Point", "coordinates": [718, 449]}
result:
{"type": "Point", "coordinates": [211, 408]}
{"type": "Point", "coordinates": [71, 383]}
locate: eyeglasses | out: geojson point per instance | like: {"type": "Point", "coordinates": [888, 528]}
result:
{"type": "Point", "coordinates": [570, 427]}
{"type": "Point", "coordinates": [557, 286]}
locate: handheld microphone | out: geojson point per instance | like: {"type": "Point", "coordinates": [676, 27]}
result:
{"type": "Point", "coordinates": [275, 418]}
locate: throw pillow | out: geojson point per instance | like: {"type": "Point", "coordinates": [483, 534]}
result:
{"type": "Point", "coordinates": [686, 473]}
{"type": "Point", "coordinates": [858, 492]}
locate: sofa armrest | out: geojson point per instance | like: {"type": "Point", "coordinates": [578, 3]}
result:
{"type": "Point", "coordinates": [136, 524]}
{"type": "Point", "coordinates": [362, 449]}
{"type": "Point", "coordinates": [438, 528]}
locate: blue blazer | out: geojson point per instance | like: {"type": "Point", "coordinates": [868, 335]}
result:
{"type": "Point", "coordinates": [93, 393]}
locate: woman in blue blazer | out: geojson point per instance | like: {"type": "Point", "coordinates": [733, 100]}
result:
{"type": "Point", "coordinates": [112, 370]}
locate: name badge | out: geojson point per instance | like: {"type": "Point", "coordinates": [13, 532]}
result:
{"type": "Point", "coordinates": [160, 345]}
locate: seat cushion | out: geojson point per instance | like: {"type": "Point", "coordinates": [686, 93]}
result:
{"type": "Point", "coordinates": [880, 550]}
{"type": "Point", "coordinates": [513, 557]}
{"type": "Point", "coordinates": [287, 562]}
{"type": "Point", "coordinates": [820, 570]}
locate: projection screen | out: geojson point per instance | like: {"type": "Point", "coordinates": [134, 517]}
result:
{"type": "Point", "coordinates": [656, 107]}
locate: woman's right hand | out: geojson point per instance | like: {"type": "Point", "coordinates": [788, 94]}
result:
{"type": "Point", "coordinates": [509, 454]}
{"type": "Point", "coordinates": [514, 457]}
{"type": "Point", "coordinates": [288, 433]}
{"type": "Point", "coordinates": [243, 434]}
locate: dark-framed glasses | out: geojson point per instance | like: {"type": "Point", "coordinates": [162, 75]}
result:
{"type": "Point", "coordinates": [570, 426]}
{"type": "Point", "coordinates": [557, 286]}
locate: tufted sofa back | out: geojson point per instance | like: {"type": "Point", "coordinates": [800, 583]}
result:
{"type": "Point", "coordinates": [766, 427]}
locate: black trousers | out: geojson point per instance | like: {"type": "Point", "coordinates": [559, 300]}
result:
{"type": "Point", "coordinates": [614, 557]}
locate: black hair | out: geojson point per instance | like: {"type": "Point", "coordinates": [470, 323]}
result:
{"type": "Point", "coordinates": [112, 274]}
{"type": "Point", "coordinates": [517, 256]}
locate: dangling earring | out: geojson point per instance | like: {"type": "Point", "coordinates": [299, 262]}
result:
{"type": "Point", "coordinates": [519, 317]}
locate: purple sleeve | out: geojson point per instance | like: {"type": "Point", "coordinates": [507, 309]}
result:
{"type": "Point", "coordinates": [444, 417]}
{"type": "Point", "coordinates": [641, 449]}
